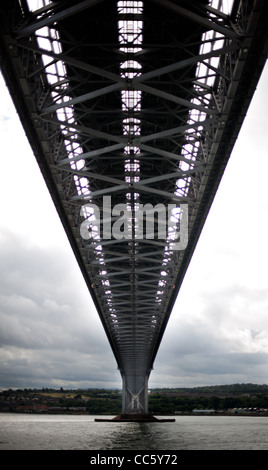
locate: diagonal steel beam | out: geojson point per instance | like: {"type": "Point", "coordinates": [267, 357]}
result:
{"type": "Point", "coordinates": [85, 97]}
{"type": "Point", "coordinates": [185, 63]}
{"type": "Point", "coordinates": [91, 154]}
{"type": "Point", "coordinates": [168, 132]}
{"type": "Point", "coordinates": [175, 99]}
{"type": "Point", "coordinates": [66, 59]}
{"type": "Point", "coordinates": [215, 12]}
{"type": "Point", "coordinates": [204, 21]}
{"type": "Point", "coordinates": [76, 8]}
{"type": "Point", "coordinates": [86, 130]}
{"type": "Point", "coordinates": [165, 154]}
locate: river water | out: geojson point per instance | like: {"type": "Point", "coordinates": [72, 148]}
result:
{"type": "Point", "coordinates": [72, 432]}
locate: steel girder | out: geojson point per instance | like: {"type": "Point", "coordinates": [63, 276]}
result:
{"type": "Point", "coordinates": [138, 102]}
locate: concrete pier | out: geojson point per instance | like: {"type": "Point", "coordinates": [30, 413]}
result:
{"type": "Point", "coordinates": [137, 418]}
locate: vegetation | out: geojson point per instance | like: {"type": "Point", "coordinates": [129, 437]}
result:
{"type": "Point", "coordinates": [92, 401]}
{"type": "Point", "coordinates": [222, 397]}
{"type": "Point", "coordinates": [161, 401]}
{"type": "Point", "coordinates": [236, 389]}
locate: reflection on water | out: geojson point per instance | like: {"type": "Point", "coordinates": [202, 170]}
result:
{"type": "Point", "coordinates": [59, 432]}
{"type": "Point", "coordinates": [144, 436]}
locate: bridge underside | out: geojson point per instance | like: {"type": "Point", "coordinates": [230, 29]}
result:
{"type": "Point", "coordinates": [128, 104]}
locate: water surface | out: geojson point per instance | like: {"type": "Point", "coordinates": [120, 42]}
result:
{"type": "Point", "coordinates": [70, 432]}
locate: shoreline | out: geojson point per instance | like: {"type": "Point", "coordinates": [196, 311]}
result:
{"type": "Point", "coordinates": [174, 415]}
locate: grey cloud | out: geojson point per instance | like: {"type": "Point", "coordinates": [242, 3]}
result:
{"type": "Point", "coordinates": [50, 330]}
{"type": "Point", "coordinates": [210, 369]}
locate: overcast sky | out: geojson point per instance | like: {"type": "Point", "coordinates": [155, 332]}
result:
{"type": "Point", "coordinates": [51, 335]}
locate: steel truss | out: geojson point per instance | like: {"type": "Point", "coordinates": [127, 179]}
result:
{"type": "Point", "coordinates": [132, 103]}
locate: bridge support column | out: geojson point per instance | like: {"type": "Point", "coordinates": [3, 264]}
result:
{"type": "Point", "coordinates": [135, 401]}
{"type": "Point", "coordinates": [135, 394]}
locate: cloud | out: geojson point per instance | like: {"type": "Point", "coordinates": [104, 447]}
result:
{"type": "Point", "coordinates": [50, 330]}
{"type": "Point", "coordinates": [217, 334]}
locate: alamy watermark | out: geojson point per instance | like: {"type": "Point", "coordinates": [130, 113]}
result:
{"type": "Point", "coordinates": [144, 222]}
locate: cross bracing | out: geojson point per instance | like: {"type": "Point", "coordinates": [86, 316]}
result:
{"type": "Point", "coordinates": [131, 105]}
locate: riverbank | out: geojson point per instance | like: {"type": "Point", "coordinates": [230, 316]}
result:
{"type": "Point", "coordinates": [223, 400]}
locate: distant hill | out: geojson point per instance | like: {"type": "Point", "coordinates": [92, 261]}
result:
{"type": "Point", "coordinates": [221, 398]}
{"type": "Point", "coordinates": [232, 389]}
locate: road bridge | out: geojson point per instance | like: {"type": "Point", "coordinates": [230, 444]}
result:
{"type": "Point", "coordinates": [132, 109]}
